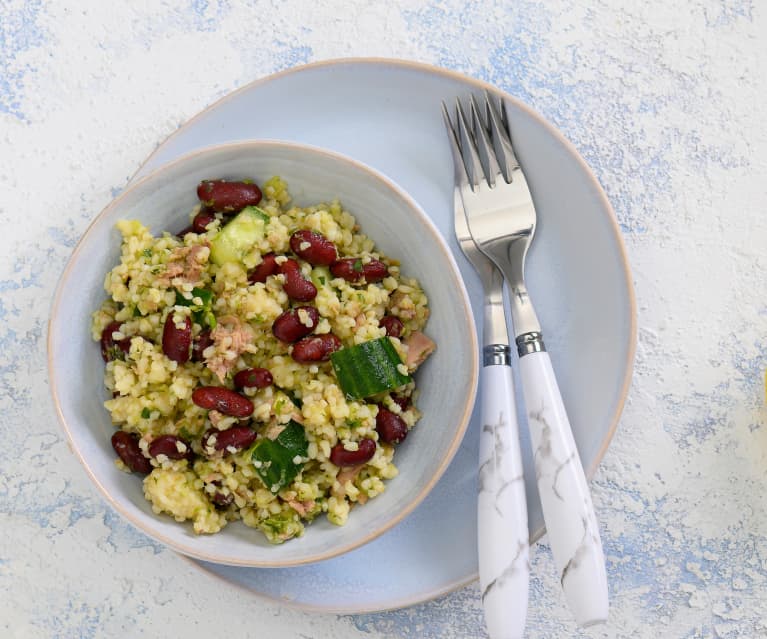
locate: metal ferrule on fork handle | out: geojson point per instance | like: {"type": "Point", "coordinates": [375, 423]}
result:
{"type": "Point", "coordinates": [530, 343]}
{"type": "Point", "coordinates": [496, 355]}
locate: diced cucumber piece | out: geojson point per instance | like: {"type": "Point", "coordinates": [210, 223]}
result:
{"type": "Point", "coordinates": [235, 239]}
{"type": "Point", "coordinates": [368, 368]}
{"type": "Point", "coordinates": [274, 459]}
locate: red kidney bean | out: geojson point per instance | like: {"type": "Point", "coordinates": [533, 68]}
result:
{"type": "Point", "coordinates": [253, 378]}
{"type": "Point", "coordinates": [296, 285]}
{"type": "Point", "coordinates": [200, 343]}
{"type": "Point", "coordinates": [220, 500]}
{"type": "Point", "coordinates": [202, 219]}
{"type": "Point", "coordinates": [127, 448]}
{"type": "Point", "coordinates": [168, 445]}
{"type": "Point", "coordinates": [184, 231]}
{"type": "Point", "coordinates": [265, 269]}
{"type": "Point", "coordinates": [315, 348]}
{"type": "Point", "coordinates": [401, 400]}
{"type": "Point", "coordinates": [391, 428]}
{"type": "Point", "coordinates": [320, 250]}
{"type": "Point", "coordinates": [223, 400]}
{"type": "Point", "coordinates": [375, 271]}
{"type": "Point", "coordinates": [176, 342]}
{"type": "Point", "coordinates": [237, 437]}
{"type": "Point", "coordinates": [349, 268]}
{"type": "Point", "coordinates": [228, 197]}
{"type": "Point", "coordinates": [288, 327]}
{"type": "Point", "coordinates": [353, 270]}
{"type": "Point", "coordinates": [111, 348]}
{"type": "Point", "coordinates": [364, 453]}
{"type": "Point", "coordinates": [392, 325]}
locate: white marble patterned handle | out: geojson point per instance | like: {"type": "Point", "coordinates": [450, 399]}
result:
{"type": "Point", "coordinates": [567, 509]}
{"type": "Point", "coordinates": [504, 567]}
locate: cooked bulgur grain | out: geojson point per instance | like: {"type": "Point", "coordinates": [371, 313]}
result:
{"type": "Point", "coordinates": [257, 454]}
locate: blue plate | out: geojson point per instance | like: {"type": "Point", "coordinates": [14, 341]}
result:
{"type": "Point", "coordinates": [386, 114]}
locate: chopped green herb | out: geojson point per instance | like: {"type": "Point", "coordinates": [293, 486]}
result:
{"type": "Point", "coordinates": [282, 526]}
{"type": "Point", "coordinates": [147, 253]}
{"type": "Point", "coordinates": [115, 352]}
{"type": "Point", "coordinates": [320, 275]}
{"type": "Point", "coordinates": [277, 523]}
{"type": "Point", "coordinates": [201, 313]}
{"type": "Point", "coordinates": [146, 413]}
{"type": "Point", "coordinates": [357, 266]}
{"type": "Point", "coordinates": [273, 458]}
{"type": "Point", "coordinates": [136, 312]}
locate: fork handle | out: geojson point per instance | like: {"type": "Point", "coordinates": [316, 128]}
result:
{"type": "Point", "coordinates": [503, 537]}
{"type": "Point", "coordinates": [565, 498]}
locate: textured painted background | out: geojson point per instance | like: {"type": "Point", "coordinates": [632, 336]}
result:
{"type": "Point", "coordinates": [665, 100]}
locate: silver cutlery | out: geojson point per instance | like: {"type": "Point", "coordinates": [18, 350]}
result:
{"type": "Point", "coordinates": [501, 218]}
{"type": "Point", "coordinates": [503, 537]}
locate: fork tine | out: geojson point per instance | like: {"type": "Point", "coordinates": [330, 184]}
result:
{"type": "Point", "coordinates": [486, 153]}
{"type": "Point", "coordinates": [500, 137]}
{"type": "Point", "coordinates": [507, 124]}
{"type": "Point", "coordinates": [499, 117]}
{"type": "Point", "coordinates": [504, 115]}
{"type": "Point", "coordinates": [468, 149]}
{"type": "Point", "coordinates": [461, 177]}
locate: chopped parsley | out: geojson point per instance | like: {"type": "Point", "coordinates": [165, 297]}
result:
{"type": "Point", "coordinates": [202, 313]}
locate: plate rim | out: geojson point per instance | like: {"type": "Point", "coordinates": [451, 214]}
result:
{"type": "Point", "coordinates": [397, 604]}
{"type": "Point", "coordinates": [480, 85]}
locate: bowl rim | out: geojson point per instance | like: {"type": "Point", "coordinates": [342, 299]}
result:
{"type": "Point", "coordinates": [441, 244]}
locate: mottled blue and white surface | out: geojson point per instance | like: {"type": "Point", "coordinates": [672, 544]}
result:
{"type": "Point", "coordinates": [666, 102]}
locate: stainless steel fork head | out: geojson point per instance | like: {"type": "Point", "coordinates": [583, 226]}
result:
{"type": "Point", "coordinates": [499, 208]}
{"type": "Point", "coordinates": [495, 336]}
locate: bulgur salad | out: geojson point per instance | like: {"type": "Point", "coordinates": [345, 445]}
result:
{"type": "Point", "coordinates": [260, 361]}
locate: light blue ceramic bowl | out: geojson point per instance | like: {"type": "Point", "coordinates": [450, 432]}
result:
{"type": "Point", "coordinates": [162, 200]}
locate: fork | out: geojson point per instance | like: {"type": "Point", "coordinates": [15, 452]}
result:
{"type": "Point", "coordinates": [503, 536]}
{"type": "Point", "coordinates": [501, 218]}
